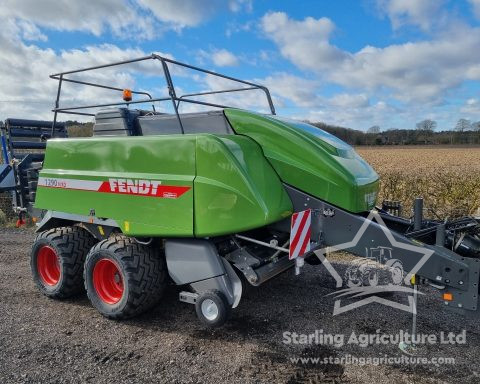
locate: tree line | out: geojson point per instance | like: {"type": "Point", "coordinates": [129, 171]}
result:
{"type": "Point", "coordinates": [464, 132]}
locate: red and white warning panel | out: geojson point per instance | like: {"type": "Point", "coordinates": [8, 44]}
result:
{"type": "Point", "coordinates": [300, 232]}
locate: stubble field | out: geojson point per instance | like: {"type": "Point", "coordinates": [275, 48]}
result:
{"type": "Point", "coordinates": [448, 178]}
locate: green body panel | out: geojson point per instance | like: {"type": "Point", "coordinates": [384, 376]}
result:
{"type": "Point", "coordinates": [232, 187]}
{"type": "Point", "coordinates": [311, 160]}
{"type": "Point", "coordinates": [170, 159]}
{"type": "Point", "coordinates": [236, 189]}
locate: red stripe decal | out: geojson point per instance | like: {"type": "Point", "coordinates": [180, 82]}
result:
{"type": "Point", "coordinates": [152, 188]}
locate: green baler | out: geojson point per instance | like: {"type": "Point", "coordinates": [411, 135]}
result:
{"type": "Point", "coordinates": [215, 200]}
{"type": "Point", "coordinates": [208, 185]}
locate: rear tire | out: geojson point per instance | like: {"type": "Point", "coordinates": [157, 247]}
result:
{"type": "Point", "coordinates": [124, 278]}
{"type": "Point", "coordinates": [57, 259]}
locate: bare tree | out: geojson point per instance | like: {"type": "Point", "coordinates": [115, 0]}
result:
{"type": "Point", "coordinates": [374, 129]}
{"type": "Point", "coordinates": [426, 125]}
{"type": "Point", "coordinates": [463, 125]}
{"type": "Point", "coordinates": [476, 126]}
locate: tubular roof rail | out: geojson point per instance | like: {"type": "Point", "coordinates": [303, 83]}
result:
{"type": "Point", "coordinates": [176, 100]}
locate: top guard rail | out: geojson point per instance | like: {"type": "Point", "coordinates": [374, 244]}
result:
{"type": "Point", "coordinates": [176, 100]}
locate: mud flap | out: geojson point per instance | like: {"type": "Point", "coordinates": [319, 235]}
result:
{"type": "Point", "coordinates": [196, 262]}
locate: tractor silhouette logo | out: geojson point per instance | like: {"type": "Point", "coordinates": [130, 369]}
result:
{"type": "Point", "coordinates": [369, 279]}
{"type": "Point", "coordinates": [377, 269]}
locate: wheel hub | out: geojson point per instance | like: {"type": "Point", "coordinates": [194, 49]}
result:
{"type": "Point", "coordinates": [107, 281]}
{"type": "Point", "coordinates": [48, 265]}
{"type": "Point", "coordinates": [209, 309]}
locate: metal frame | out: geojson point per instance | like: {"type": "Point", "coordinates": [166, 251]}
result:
{"type": "Point", "coordinates": [176, 100]}
{"type": "Point", "coordinates": [21, 153]}
{"type": "Point", "coordinates": [445, 269]}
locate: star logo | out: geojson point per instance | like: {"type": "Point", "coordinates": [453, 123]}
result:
{"type": "Point", "coordinates": [356, 275]}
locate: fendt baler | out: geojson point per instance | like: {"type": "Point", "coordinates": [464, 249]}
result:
{"type": "Point", "coordinates": [212, 200]}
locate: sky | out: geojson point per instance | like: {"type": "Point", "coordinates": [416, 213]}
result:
{"type": "Point", "coordinates": [353, 63]}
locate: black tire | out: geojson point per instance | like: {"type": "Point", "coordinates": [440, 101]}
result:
{"type": "Point", "coordinates": [32, 185]}
{"type": "Point", "coordinates": [32, 174]}
{"type": "Point", "coordinates": [223, 308]}
{"type": "Point", "coordinates": [70, 245]}
{"type": "Point", "coordinates": [142, 272]}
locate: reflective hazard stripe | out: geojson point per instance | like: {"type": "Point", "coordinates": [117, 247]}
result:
{"type": "Point", "coordinates": [300, 233]}
{"type": "Point", "coordinates": [152, 188]}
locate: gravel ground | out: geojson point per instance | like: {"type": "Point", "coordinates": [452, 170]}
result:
{"type": "Point", "coordinates": [43, 340]}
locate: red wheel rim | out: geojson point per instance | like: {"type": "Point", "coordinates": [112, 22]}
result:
{"type": "Point", "coordinates": [108, 281]}
{"type": "Point", "coordinates": [48, 265]}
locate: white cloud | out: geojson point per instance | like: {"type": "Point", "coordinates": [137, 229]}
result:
{"type": "Point", "coordinates": [234, 27]}
{"type": "Point", "coordinates": [285, 87]}
{"type": "Point", "coordinates": [421, 71]}
{"type": "Point", "coordinates": [421, 13]}
{"type": "Point", "coordinates": [249, 99]}
{"type": "Point", "coordinates": [345, 100]}
{"type": "Point", "coordinates": [30, 32]}
{"type": "Point", "coordinates": [31, 93]}
{"type": "Point", "coordinates": [471, 108]}
{"type": "Point", "coordinates": [93, 16]}
{"type": "Point", "coordinates": [130, 19]}
{"type": "Point", "coordinates": [224, 58]}
{"type": "Point", "coordinates": [304, 42]}
{"type": "Point", "coordinates": [354, 116]}
{"type": "Point", "coordinates": [476, 7]}
{"type": "Point", "coordinates": [182, 13]}
{"type": "Point", "coordinates": [189, 13]}
{"type": "Point", "coordinates": [288, 92]}
{"type": "Point", "coordinates": [218, 57]}
{"type": "Point", "coordinates": [415, 71]}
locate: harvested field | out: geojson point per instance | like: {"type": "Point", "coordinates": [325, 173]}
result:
{"type": "Point", "coordinates": [448, 178]}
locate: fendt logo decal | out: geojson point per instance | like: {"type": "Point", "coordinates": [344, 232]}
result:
{"type": "Point", "coordinates": [134, 187]}
{"type": "Point", "coordinates": [153, 188]}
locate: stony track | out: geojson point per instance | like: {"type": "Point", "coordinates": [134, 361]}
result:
{"type": "Point", "coordinates": [43, 340]}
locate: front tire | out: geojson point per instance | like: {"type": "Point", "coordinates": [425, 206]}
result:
{"type": "Point", "coordinates": [124, 278]}
{"type": "Point", "coordinates": [57, 258]}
